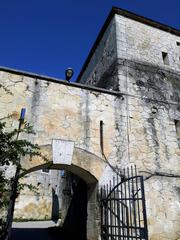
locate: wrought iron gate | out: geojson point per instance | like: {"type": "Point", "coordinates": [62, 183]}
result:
{"type": "Point", "coordinates": [123, 211]}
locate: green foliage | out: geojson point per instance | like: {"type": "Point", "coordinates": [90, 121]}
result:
{"type": "Point", "coordinates": [12, 150]}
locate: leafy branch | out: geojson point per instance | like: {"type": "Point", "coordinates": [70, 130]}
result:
{"type": "Point", "coordinates": [12, 151]}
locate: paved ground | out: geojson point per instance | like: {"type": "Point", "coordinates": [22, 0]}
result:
{"type": "Point", "coordinates": [36, 224]}
{"type": "Point", "coordinates": [45, 230]}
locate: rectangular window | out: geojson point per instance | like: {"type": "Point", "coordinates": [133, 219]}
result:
{"type": "Point", "coordinates": [177, 126]}
{"type": "Point", "coordinates": [45, 170]}
{"type": "Point", "coordinates": [178, 43]}
{"type": "Point", "coordinates": [165, 58]}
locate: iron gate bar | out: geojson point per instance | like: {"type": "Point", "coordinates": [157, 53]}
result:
{"type": "Point", "coordinates": [110, 214]}
{"type": "Point", "coordinates": [123, 210]}
{"type": "Point", "coordinates": [123, 199]}
{"type": "Point", "coordinates": [128, 175]}
{"type": "Point", "coordinates": [137, 196]}
{"type": "Point", "coordinates": [115, 214]}
{"type": "Point", "coordinates": [121, 183]}
{"type": "Point", "coordinates": [114, 207]}
{"type": "Point", "coordinates": [126, 226]}
{"type": "Point", "coordinates": [133, 203]}
{"type": "Point", "coordinates": [144, 208]}
{"type": "Point", "coordinates": [128, 233]}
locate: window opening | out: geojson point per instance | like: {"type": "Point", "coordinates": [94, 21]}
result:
{"type": "Point", "coordinates": [178, 43]}
{"type": "Point", "coordinates": [165, 58]}
{"type": "Point", "coordinates": [45, 170]}
{"type": "Point", "coordinates": [177, 126]}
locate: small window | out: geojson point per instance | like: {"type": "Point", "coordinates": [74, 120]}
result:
{"type": "Point", "coordinates": [165, 58]}
{"type": "Point", "coordinates": [45, 170]}
{"type": "Point", "coordinates": [178, 43]}
{"type": "Point", "coordinates": [177, 125]}
{"type": "Point", "coordinates": [63, 174]}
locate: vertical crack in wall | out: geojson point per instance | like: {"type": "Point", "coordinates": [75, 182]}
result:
{"type": "Point", "coordinates": [35, 103]}
{"type": "Point", "coordinates": [153, 138]}
{"type": "Point", "coordinates": [85, 115]}
{"type": "Point", "coordinates": [120, 132]}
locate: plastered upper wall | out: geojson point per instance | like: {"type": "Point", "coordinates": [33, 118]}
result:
{"type": "Point", "coordinates": [140, 42]}
{"type": "Point", "coordinates": [133, 38]}
{"type": "Point", "coordinates": [59, 111]}
{"type": "Point", "coordinates": [133, 133]}
{"type": "Point", "coordinates": [105, 52]}
{"type": "Point", "coordinates": [39, 205]}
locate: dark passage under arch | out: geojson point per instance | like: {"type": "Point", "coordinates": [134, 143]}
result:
{"type": "Point", "coordinates": [75, 224]}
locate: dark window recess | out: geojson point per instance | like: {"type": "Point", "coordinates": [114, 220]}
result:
{"type": "Point", "coordinates": [45, 170]}
{"type": "Point", "coordinates": [177, 126]}
{"type": "Point", "coordinates": [165, 58]}
{"type": "Point", "coordinates": [178, 43]}
{"type": "Point", "coordinates": [94, 77]}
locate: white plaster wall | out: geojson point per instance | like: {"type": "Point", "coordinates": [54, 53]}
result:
{"type": "Point", "coordinates": [132, 134]}
{"type": "Point", "coordinates": [58, 111]}
{"type": "Point", "coordinates": [104, 55]}
{"type": "Point", "coordinates": [140, 42]}
{"type": "Point", "coordinates": [38, 204]}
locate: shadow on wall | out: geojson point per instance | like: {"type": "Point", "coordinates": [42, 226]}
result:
{"type": "Point", "coordinates": [75, 224]}
{"type": "Point", "coordinates": [37, 233]}
{"type": "Point", "coordinates": [55, 206]}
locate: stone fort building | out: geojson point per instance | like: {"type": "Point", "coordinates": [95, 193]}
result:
{"type": "Point", "coordinates": [130, 84]}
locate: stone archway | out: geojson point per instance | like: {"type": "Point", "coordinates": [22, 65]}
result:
{"type": "Point", "coordinates": [85, 165]}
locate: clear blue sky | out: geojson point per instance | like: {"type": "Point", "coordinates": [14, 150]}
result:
{"type": "Point", "coordinates": [47, 36]}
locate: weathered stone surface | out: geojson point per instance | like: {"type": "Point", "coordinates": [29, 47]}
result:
{"type": "Point", "coordinates": [147, 115]}
{"type": "Point", "coordinates": [59, 111]}
{"type": "Point", "coordinates": [140, 118]}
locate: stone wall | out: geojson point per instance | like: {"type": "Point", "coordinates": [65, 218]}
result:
{"type": "Point", "coordinates": [147, 116]}
{"type": "Point", "coordinates": [141, 117]}
{"type": "Point", "coordinates": [134, 41]}
{"type": "Point", "coordinates": [139, 42]}
{"type": "Point", "coordinates": [152, 103]}
{"type": "Point", "coordinates": [103, 57]}
{"type": "Point", "coordinates": [45, 202]}
{"type": "Point", "coordinates": [59, 110]}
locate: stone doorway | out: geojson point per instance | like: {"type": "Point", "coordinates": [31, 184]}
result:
{"type": "Point", "coordinates": [75, 221]}
{"type": "Point", "coordinates": [79, 217]}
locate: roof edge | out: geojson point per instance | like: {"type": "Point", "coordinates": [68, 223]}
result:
{"type": "Point", "coordinates": [146, 20]}
{"type": "Point", "coordinates": [59, 81]}
{"type": "Point", "coordinates": [131, 15]}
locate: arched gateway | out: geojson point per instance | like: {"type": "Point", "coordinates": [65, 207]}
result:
{"type": "Point", "coordinates": [89, 168]}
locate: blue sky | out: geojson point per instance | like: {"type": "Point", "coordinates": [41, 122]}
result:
{"type": "Point", "coordinates": [47, 36]}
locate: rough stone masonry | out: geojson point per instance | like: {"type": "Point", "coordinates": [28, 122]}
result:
{"type": "Point", "coordinates": [134, 66]}
{"type": "Point", "coordinates": [141, 59]}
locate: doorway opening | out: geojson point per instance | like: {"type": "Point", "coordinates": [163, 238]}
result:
{"type": "Point", "coordinates": [62, 197]}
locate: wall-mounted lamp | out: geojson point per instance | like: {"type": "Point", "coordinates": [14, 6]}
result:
{"type": "Point", "coordinates": [68, 74]}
